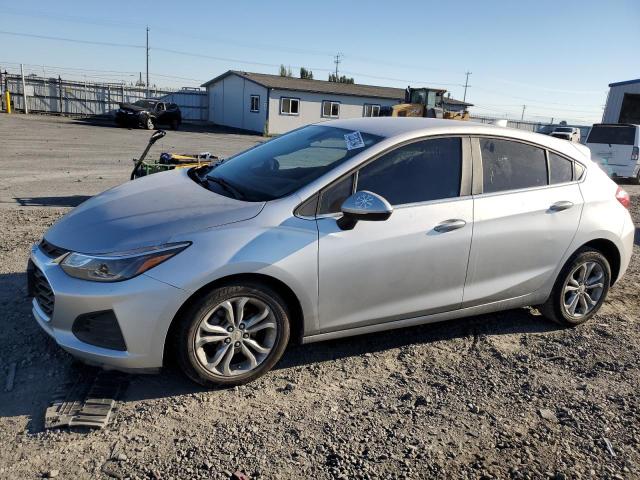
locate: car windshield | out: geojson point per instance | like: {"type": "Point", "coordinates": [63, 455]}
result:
{"type": "Point", "coordinates": [287, 163]}
{"type": "Point", "coordinates": [612, 134]}
{"type": "Point", "coordinates": [145, 104]}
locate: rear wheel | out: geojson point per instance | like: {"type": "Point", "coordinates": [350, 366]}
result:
{"type": "Point", "coordinates": [636, 180]}
{"type": "Point", "coordinates": [174, 124]}
{"type": "Point", "coordinates": [233, 335]}
{"type": "Point", "coordinates": [580, 289]}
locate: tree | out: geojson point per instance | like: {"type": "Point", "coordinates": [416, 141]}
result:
{"type": "Point", "coordinates": [340, 79]}
{"type": "Point", "coordinates": [285, 71]}
{"type": "Point", "coordinates": [306, 74]}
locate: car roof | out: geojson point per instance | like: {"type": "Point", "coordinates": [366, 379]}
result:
{"type": "Point", "coordinates": [410, 127]}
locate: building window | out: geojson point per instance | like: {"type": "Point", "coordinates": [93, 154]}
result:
{"type": "Point", "coordinates": [371, 110]}
{"type": "Point", "coordinates": [330, 109]}
{"type": "Point", "coordinates": [289, 106]}
{"type": "Point", "coordinates": [255, 103]}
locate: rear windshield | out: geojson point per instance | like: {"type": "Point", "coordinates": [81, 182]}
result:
{"type": "Point", "coordinates": [564, 129]}
{"type": "Point", "coordinates": [613, 134]}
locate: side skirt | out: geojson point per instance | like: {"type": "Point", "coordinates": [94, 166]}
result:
{"type": "Point", "coordinates": [517, 302]}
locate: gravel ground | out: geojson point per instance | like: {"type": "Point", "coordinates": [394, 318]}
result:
{"type": "Point", "coordinates": [507, 395]}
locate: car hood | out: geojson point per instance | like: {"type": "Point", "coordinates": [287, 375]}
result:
{"type": "Point", "coordinates": [145, 212]}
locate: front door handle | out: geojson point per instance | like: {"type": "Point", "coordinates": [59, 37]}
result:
{"type": "Point", "coordinates": [449, 225]}
{"type": "Point", "coordinates": [560, 206]}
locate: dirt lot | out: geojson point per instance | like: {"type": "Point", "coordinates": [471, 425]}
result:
{"type": "Point", "coordinates": [498, 396]}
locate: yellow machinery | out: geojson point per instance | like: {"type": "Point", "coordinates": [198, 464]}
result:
{"type": "Point", "coordinates": [425, 102]}
{"type": "Point", "coordinates": [7, 101]}
{"type": "Point", "coordinates": [168, 161]}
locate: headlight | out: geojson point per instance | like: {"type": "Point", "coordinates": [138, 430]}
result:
{"type": "Point", "coordinates": [118, 266]}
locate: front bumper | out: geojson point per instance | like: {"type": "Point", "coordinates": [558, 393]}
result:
{"type": "Point", "coordinates": [126, 118]}
{"type": "Point", "coordinates": [144, 308]}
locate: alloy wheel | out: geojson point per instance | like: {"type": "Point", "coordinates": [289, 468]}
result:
{"type": "Point", "coordinates": [583, 289]}
{"type": "Point", "coordinates": [235, 336]}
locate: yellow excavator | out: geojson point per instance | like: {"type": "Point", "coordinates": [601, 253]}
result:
{"type": "Point", "coordinates": [424, 102]}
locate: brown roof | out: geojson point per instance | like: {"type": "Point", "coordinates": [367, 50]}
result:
{"type": "Point", "coordinates": [316, 86]}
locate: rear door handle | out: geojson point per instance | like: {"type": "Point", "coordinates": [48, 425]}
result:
{"type": "Point", "coordinates": [449, 225]}
{"type": "Point", "coordinates": [560, 206]}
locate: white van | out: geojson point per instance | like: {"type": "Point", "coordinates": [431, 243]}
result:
{"type": "Point", "coordinates": [619, 145]}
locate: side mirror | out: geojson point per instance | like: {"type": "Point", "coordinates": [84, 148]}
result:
{"type": "Point", "coordinates": [364, 205]}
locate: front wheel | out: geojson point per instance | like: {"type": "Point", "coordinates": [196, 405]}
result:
{"type": "Point", "coordinates": [148, 124]}
{"type": "Point", "coordinates": [580, 289]}
{"type": "Point", "coordinates": [233, 335]}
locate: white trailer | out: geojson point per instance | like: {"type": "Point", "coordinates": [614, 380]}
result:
{"type": "Point", "coordinates": [623, 103]}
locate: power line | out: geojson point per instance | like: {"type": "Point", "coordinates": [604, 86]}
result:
{"type": "Point", "coordinates": [72, 40]}
{"type": "Point", "coordinates": [238, 61]}
{"type": "Point", "coordinates": [402, 79]}
{"type": "Point", "coordinates": [522, 98]}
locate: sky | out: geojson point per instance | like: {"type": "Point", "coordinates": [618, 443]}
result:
{"type": "Point", "coordinates": [555, 58]}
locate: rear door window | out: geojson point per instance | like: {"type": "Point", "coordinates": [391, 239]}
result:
{"type": "Point", "coordinates": [509, 165]}
{"type": "Point", "coordinates": [560, 169]}
{"type": "Point", "coordinates": [613, 134]}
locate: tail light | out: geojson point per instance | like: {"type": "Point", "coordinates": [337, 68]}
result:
{"type": "Point", "coordinates": [635, 154]}
{"type": "Point", "coordinates": [623, 197]}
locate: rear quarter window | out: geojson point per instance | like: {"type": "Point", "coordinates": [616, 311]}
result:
{"type": "Point", "coordinates": [612, 134]}
{"type": "Point", "coordinates": [560, 169]}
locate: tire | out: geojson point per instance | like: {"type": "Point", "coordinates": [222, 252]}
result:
{"type": "Point", "coordinates": [635, 180]}
{"type": "Point", "coordinates": [217, 356]}
{"type": "Point", "coordinates": [174, 125]}
{"type": "Point", "coordinates": [148, 123]}
{"type": "Point", "coordinates": [563, 300]}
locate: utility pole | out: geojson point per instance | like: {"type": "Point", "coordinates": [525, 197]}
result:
{"type": "Point", "coordinates": [524, 107]}
{"type": "Point", "coordinates": [466, 84]}
{"type": "Point", "coordinates": [147, 61]}
{"type": "Point", "coordinates": [337, 60]}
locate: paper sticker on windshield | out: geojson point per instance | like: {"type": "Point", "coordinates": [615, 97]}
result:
{"type": "Point", "coordinates": [353, 140]}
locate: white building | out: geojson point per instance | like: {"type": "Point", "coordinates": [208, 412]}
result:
{"type": "Point", "coordinates": [623, 103]}
{"type": "Point", "coordinates": [272, 104]}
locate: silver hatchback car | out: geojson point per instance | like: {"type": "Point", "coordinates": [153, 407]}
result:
{"type": "Point", "coordinates": [335, 229]}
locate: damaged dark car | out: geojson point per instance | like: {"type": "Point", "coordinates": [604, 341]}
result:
{"type": "Point", "coordinates": [149, 114]}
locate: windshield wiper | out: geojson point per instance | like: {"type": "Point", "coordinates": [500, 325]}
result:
{"type": "Point", "coordinates": [235, 193]}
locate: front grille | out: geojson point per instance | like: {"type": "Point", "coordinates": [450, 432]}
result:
{"type": "Point", "coordinates": [51, 250]}
{"type": "Point", "coordinates": [41, 291]}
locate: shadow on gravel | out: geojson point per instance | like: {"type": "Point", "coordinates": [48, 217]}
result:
{"type": "Point", "coordinates": [172, 383]}
{"type": "Point", "coordinates": [42, 365]}
{"type": "Point", "coordinates": [65, 201]}
{"type": "Point", "coordinates": [636, 239]}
